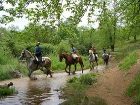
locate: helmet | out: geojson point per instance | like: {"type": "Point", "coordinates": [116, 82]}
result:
{"type": "Point", "coordinates": [38, 43]}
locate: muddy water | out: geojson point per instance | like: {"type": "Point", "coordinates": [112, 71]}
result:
{"type": "Point", "coordinates": [43, 91]}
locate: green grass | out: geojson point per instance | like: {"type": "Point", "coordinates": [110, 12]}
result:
{"type": "Point", "coordinates": [7, 91]}
{"type": "Point", "coordinates": [124, 50]}
{"type": "Point", "coordinates": [134, 90]}
{"type": "Point", "coordinates": [128, 61]}
{"type": "Point", "coordinates": [75, 89]}
{"type": "Point", "coordinates": [9, 64]}
{"type": "Point", "coordinates": [56, 64]}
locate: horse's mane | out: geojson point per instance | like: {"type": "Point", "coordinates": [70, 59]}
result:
{"type": "Point", "coordinates": [66, 54]}
{"type": "Point", "coordinates": [29, 53]}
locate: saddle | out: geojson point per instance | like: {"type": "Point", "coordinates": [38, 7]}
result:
{"type": "Point", "coordinates": [38, 62]}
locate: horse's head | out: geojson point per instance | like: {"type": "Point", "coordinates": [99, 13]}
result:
{"type": "Point", "coordinates": [25, 54]}
{"type": "Point", "coordinates": [61, 56]}
{"type": "Point", "coordinates": [22, 55]}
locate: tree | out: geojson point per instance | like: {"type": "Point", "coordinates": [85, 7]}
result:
{"type": "Point", "coordinates": [131, 14]}
{"type": "Point", "coordinates": [48, 12]}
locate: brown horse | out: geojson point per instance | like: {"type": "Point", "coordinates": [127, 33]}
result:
{"type": "Point", "coordinates": [70, 61]}
{"type": "Point", "coordinates": [32, 64]}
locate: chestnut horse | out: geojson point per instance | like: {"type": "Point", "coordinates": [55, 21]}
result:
{"type": "Point", "coordinates": [32, 63]}
{"type": "Point", "coordinates": [70, 61]}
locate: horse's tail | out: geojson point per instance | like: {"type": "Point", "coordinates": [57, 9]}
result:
{"type": "Point", "coordinates": [82, 64]}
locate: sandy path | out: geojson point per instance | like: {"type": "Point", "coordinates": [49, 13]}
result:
{"type": "Point", "coordinates": [112, 85]}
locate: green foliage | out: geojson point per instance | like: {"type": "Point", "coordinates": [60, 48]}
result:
{"type": "Point", "coordinates": [128, 61]}
{"type": "Point", "coordinates": [134, 89]}
{"type": "Point", "coordinates": [88, 79]}
{"type": "Point", "coordinates": [13, 65]}
{"type": "Point", "coordinates": [63, 46]}
{"type": "Point", "coordinates": [7, 91]}
{"type": "Point", "coordinates": [75, 91]}
{"type": "Point", "coordinates": [56, 64]}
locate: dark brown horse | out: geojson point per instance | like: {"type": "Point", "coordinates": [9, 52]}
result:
{"type": "Point", "coordinates": [70, 61]}
{"type": "Point", "coordinates": [105, 57]}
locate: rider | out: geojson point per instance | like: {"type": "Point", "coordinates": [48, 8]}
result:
{"type": "Point", "coordinates": [94, 51]}
{"type": "Point", "coordinates": [38, 53]}
{"type": "Point", "coordinates": [104, 52]}
{"type": "Point", "coordinates": [74, 52]}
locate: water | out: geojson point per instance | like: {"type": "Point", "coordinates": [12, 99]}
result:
{"type": "Point", "coordinates": [43, 91]}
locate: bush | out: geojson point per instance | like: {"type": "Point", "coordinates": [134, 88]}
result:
{"type": "Point", "coordinates": [63, 47]}
{"type": "Point", "coordinates": [56, 64]}
{"type": "Point", "coordinates": [88, 79]}
{"type": "Point", "coordinates": [6, 91]}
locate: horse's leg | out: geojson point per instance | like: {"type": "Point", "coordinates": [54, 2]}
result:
{"type": "Point", "coordinates": [50, 73]}
{"type": "Point", "coordinates": [92, 65]}
{"type": "Point", "coordinates": [69, 69]}
{"type": "Point", "coordinates": [97, 61]}
{"type": "Point", "coordinates": [66, 68]}
{"type": "Point", "coordinates": [30, 73]}
{"type": "Point", "coordinates": [47, 70]}
{"type": "Point", "coordinates": [75, 68]}
{"type": "Point", "coordinates": [82, 65]}
{"type": "Point", "coordinates": [107, 62]}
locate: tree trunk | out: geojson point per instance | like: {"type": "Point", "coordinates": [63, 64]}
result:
{"type": "Point", "coordinates": [135, 37]}
{"type": "Point", "coordinates": [112, 47]}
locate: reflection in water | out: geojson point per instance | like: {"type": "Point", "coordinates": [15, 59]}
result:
{"type": "Point", "coordinates": [36, 93]}
{"type": "Point", "coordinates": [39, 92]}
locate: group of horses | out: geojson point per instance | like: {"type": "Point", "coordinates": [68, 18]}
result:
{"type": "Point", "coordinates": [46, 65]}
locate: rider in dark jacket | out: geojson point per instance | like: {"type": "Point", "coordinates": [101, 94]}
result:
{"type": "Point", "coordinates": [38, 52]}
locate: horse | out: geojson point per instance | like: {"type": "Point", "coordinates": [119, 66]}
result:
{"type": "Point", "coordinates": [105, 57]}
{"type": "Point", "coordinates": [92, 58]}
{"type": "Point", "coordinates": [33, 65]}
{"type": "Point", "coordinates": [70, 61]}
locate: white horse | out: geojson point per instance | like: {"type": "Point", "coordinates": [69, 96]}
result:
{"type": "Point", "coordinates": [92, 58]}
{"type": "Point", "coordinates": [32, 64]}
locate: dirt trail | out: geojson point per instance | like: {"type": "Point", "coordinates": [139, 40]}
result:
{"type": "Point", "coordinates": [112, 85]}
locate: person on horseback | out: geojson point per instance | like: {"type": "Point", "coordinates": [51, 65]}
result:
{"type": "Point", "coordinates": [94, 51]}
{"type": "Point", "coordinates": [104, 52]}
{"type": "Point", "coordinates": [93, 57]}
{"type": "Point", "coordinates": [105, 56]}
{"type": "Point", "coordinates": [38, 53]}
{"type": "Point", "coordinates": [73, 52]}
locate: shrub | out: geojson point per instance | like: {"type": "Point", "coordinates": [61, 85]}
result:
{"type": "Point", "coordinates": [88, 79]}
{"type": "Point", "coordinates": [6, 91]}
